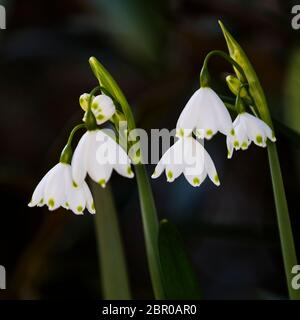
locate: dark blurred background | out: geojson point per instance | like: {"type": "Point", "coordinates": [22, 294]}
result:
{"type": "Point", "coordinates": [155, 50]}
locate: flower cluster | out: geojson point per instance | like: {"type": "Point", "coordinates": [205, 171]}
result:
{"type": "Point", "coordinates": [203, 116]}
{"type": "Point", "coordinates": [96, 154]}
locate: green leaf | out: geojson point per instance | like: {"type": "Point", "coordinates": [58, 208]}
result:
{"type": "Point", "coordinates": [113, 270]}
{"type": "Point", "coordinates": [178, 276]}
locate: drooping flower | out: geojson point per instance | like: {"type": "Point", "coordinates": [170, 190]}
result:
{"type": "Point", "coordinates": [189, 157]}
{"type": "Point", "coordinates": [205, 114]}
{"type": "Point", "coordinates": [57, 189]}
{"type": "Point", "coordinates": [102, 107]}
{"type": "Point", "coordinates": [97, 154]}
{"type": "Point", "coordinates": [248, 128]}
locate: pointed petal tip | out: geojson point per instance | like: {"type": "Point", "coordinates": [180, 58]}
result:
{"type": "Point", "coordinates": [154, 175]}
{"type": "Point", "coordinates": [216, 180]}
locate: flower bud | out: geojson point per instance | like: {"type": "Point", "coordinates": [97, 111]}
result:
{"type": "Point", "coordinates": [84, 101]}
{"type": "Point", "coordinates": [234, 84]}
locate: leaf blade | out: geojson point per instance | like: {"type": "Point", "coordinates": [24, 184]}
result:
{"type": "Point", "coordinates": [179, 280]}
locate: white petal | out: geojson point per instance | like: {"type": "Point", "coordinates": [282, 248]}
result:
{"type": "Point", "coordinates": [75, 197]}
{"type": "Point", "coordinates": [80, 156]}
{"type": "Point", "coordinates": [99, 167]}
{"type": "Point", "coordinates": [255, 130]}
{"type": "Point", "coordinates": [55, 187]}
{"type": "Point", "coordinates": [169, 157]}
{"type": "Point", "coordinates": [195, 180]}
{"type": "Point", "coordinates": [229, 143]}
{"type": "Point", "coordinates": [221, 114]}
{"type": "Point", "coordinates": [38, 194]}
{"type": "Point", "coordinates": [119, 158]}
{"type": "Point", "coordinates": [211, 169]}
{"type": "Point", "coordinates": [193, 156]}
{"type": "Point", "coordinates": [89, 199]}
{"type": "Point", "coordinates": [205, 113]}
{"type": "Point", "coordinates": [103, 108]}
{"type": "Point", "coordinates": [187, 119]}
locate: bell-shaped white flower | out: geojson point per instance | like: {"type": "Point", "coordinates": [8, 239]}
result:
{"type": "Point", "coordinates": [97, 154]}
{"type": "Point", "coordinates": [57, 189]}
{"type": "Point", "coordinates": [189, 157]}
{"type": "Point", "coordinates": [248, 128]}
{"type": "Point", "coordinates": [102, 107]}
{"type": "Point", "coordinates": [205, 114]}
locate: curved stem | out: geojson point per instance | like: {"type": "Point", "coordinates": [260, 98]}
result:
{"type": "Point", "coordinates": [67, 153]}
{"type": "Point", "coordinates": [75, 129]}
{"type": "Point", "coordinates": [225, 56]}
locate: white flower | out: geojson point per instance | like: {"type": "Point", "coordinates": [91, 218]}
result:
{"type": "Point", "coordinates": [205, 114]}
{"type": "Point", "coordinates": [58, 189]}
{"type": "Point", "coordinates": [189, 157]}
{"type": "Point", "coordinates": [248, 128]}
{"type": "Point", "coordinates": [98, 154]}
{"type": "Point", "coordinates": [102, 107]}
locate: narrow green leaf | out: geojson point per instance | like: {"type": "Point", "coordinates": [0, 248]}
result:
{"type": "Point", "coordinates": [179, 280]}
{"type": "Point", "coordinates": [284, 224]}
{"type": "Point", "coordinates": [150, 224]}
{"type": "Point", "coordinates": [113, 270]}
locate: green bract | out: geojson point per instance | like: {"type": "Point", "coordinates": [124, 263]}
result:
{"type": "Point", "coordinates": [255, 89]}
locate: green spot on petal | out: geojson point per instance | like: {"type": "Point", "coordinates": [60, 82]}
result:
{"type": "Point", "coordinates": [75, 185]}
{"type": "Point", "coordinates": [93, 206]}
{"type": "Point", "coordinates": [216, 179]}
{"type": "Point", "coordinates": [41, 201]}
{"type": "Point", "coordinates": [259, 139]}
{"type": "Point", "coordinates": [232, 132]}
{"type": "Point", "coordinates": [102, 183]}
{"type": "Point", "coordinates": [170, 174]}
{"type": "Point", "coordinates": [196, 181]}
{"type": "Point", "coordinates": [100, 116]}
{"type": "Point", "coordinates": [79, 209]}
{"type": "Point", "coordinates": [51, 203]}
{"type": "Point", "coordinates": [129, 171]}
{"type": "Point", "coordinates": [181, 132]}
{"type": "Point", "coordinates": [209, 132]}
{"type": "Point", "coordinates": [244, 145]}
{"type": "Point", "coordinates": [67, 205]}
{"type": "Point", "coordinates": [236, 144]}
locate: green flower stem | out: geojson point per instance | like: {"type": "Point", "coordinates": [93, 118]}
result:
{"type": "Point", "coordinates": [151, 228]}
{"type": "Point", "coordinates": [67, 153]}
{"type": "Point", "coordinates": [149, 215]}
{"type": "Point", "coordinates": [256, 91]}
{"type": "Point", "coordinates": [284, 224]}
{"type": "Point", "coordinates": [114, 279]}
{"type": "Point", "coordinates": [204, 74]}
